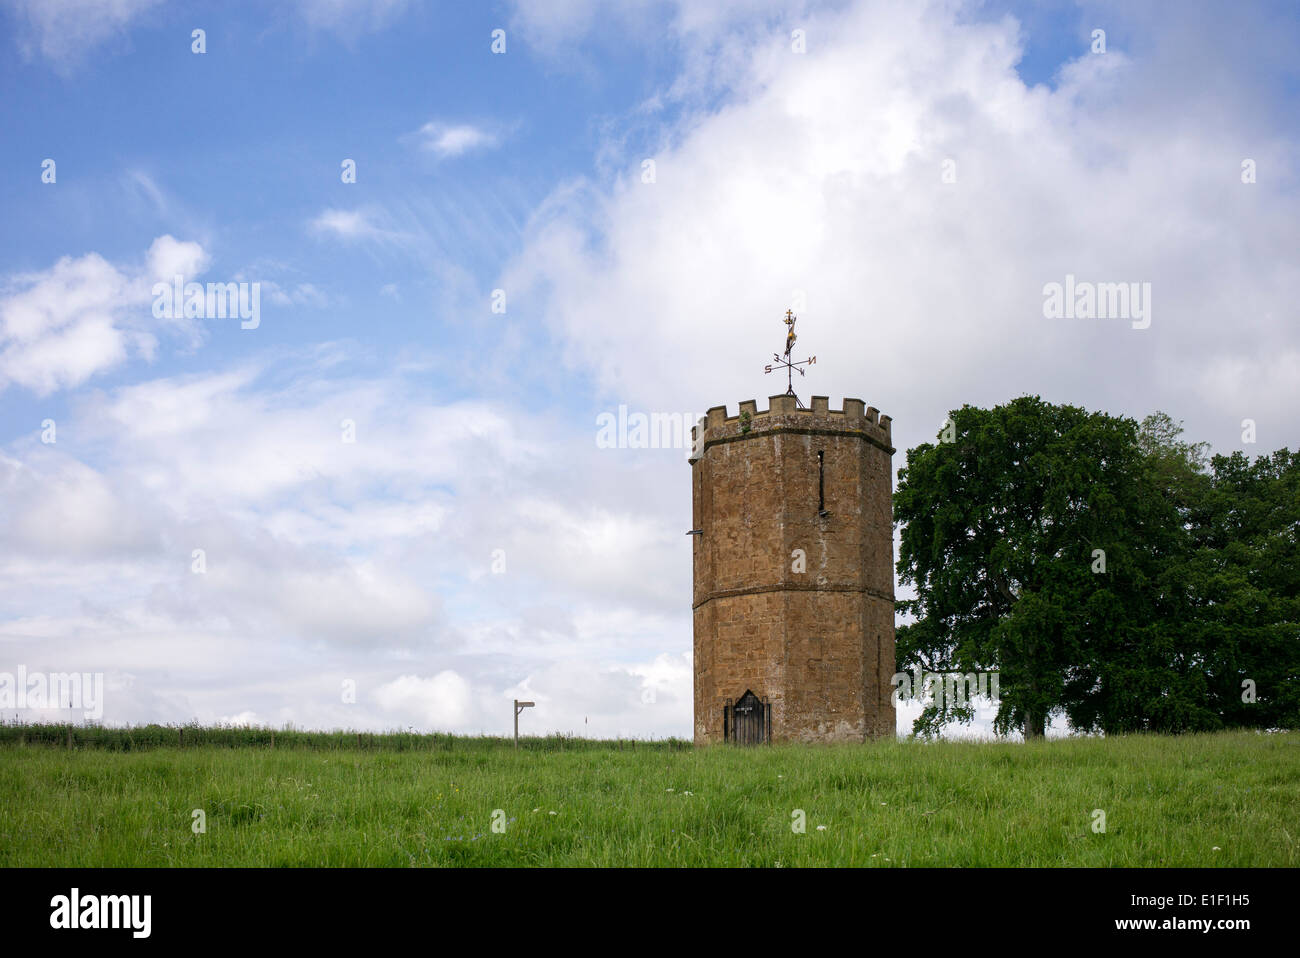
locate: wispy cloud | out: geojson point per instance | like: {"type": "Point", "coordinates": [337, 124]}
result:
{"type": "Point", "coordinates": [64, 31]}
{"type": "Point", "coordinates": [301, 294]}
{"type": "Point", "coordinates": [357, 225]}
{"type": "Point", "coordinates": [142, 183]}
{"type": "Point", "coordinates": [453, 139]}
{"type": "Point", "coordinates": [350, 16]}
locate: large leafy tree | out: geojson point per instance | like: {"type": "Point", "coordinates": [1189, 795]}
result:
{"type": "Point", "coordinates": [1243, 588]}
{"type": "Point", "coordinates": [1033, 536]}
{"type": "Point", "coordinates": [1149, 673]}
{"type": "Point", "coordinates": [1192, 623]}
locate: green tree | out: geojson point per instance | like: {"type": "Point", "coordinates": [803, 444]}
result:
{"type": "Point", "coordinates": [1033, 540]}
{"type": "Point", "coordinates": [1243, 588]}
{"type": "Point", "coordinates": [1147, 674]}
{"type": "Point", "coordinates": [1194, 622]}
{"type": "Point", "coordinates": [1180, 468]}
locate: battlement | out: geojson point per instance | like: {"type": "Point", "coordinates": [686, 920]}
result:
{"type": "Point", "coordinates": [784, 415]}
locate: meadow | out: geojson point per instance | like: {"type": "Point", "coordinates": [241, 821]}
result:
{"type": "Point", "coordinates": [129, 798]}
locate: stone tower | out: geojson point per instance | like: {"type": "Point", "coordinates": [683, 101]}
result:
{"type": "Point", "coordinates": [794, 572]}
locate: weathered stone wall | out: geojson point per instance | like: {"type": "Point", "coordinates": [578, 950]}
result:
{"type": "Point", "coordinates": [818, 644]}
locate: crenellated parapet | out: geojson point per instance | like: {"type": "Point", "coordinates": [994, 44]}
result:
{"type": "Point", "coordinates": [784, 415]}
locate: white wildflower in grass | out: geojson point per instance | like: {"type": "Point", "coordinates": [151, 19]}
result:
{"type": "Point", "coordinates": [821, 828]}
{"type": "Point", "coordinates": [551, 813]}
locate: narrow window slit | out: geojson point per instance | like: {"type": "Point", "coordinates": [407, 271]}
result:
{"type": "Point", "coordinates": [821, 483]}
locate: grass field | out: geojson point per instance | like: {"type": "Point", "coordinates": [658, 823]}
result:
{"type": "Point", "coordinates": [1230, 799]}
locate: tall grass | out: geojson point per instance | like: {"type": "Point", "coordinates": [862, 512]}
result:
{"type": "Point", "coordinates": [135, 738]}
{"type": "Point", "coordinates": [1226, 799]}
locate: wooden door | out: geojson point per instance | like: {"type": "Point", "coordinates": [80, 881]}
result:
{"type": "Point", "coordinates": [748, 721]}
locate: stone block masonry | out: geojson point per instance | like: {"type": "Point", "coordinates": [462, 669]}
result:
{"type": "Point", "coordinates": [794, 569]}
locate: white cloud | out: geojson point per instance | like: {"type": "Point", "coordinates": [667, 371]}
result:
{"type": "Point", "coordinates": [169, 257]}
{"type": "Point", "coordinates": [377, 551]}
{"type": "Point", "coordinates": [452, 139]}
{"type": "Point", "coordinates": [60, 507]}
{"type": "Point", "coordinates": [581, 696]}
{"type": "Point", "coordinates": [442, 701]}
{"type": "Point", "coordinates": [822, 172]}
{"type": "Point", "coordinates": [65, 31]}
{"type": "Point", "coordinates": [354, 226]}
{"type": "Point", "coordinates": [60, 327]}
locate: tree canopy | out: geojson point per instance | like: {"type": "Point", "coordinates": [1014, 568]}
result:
{"type": "Point", "coordinates": [1109, 572]}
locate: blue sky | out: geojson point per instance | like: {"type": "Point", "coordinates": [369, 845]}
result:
{"type": "Point", "coordinates": [242, 147]}
{"type": "Point", "coordinates": [777, 173]}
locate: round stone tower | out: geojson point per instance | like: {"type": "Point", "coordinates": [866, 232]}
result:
{"type": "Point", "coordinates": [794, 573]}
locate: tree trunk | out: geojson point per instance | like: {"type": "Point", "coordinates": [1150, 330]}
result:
{"type": "Point", "coordinates": [1035, 719]}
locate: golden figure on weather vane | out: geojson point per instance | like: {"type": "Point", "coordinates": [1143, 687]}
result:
{"type": "Point", "coordinates": [790, 365]}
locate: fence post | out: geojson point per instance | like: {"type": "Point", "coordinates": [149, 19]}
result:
{"type": "Point", "coordinates": [180, 735]}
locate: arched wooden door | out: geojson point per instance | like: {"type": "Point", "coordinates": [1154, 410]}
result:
{"type": "Point", "coordinates": [748, 721]}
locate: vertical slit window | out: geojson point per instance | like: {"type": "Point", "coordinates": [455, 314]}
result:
{"type": "Point", "coordinates": [821, 482]}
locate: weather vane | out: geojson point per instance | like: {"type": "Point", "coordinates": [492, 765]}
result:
{"type": "Point", "coordinates": [786, 361]}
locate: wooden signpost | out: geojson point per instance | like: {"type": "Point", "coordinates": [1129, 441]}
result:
{"type": "Point", "coordinates": [519, 707]}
